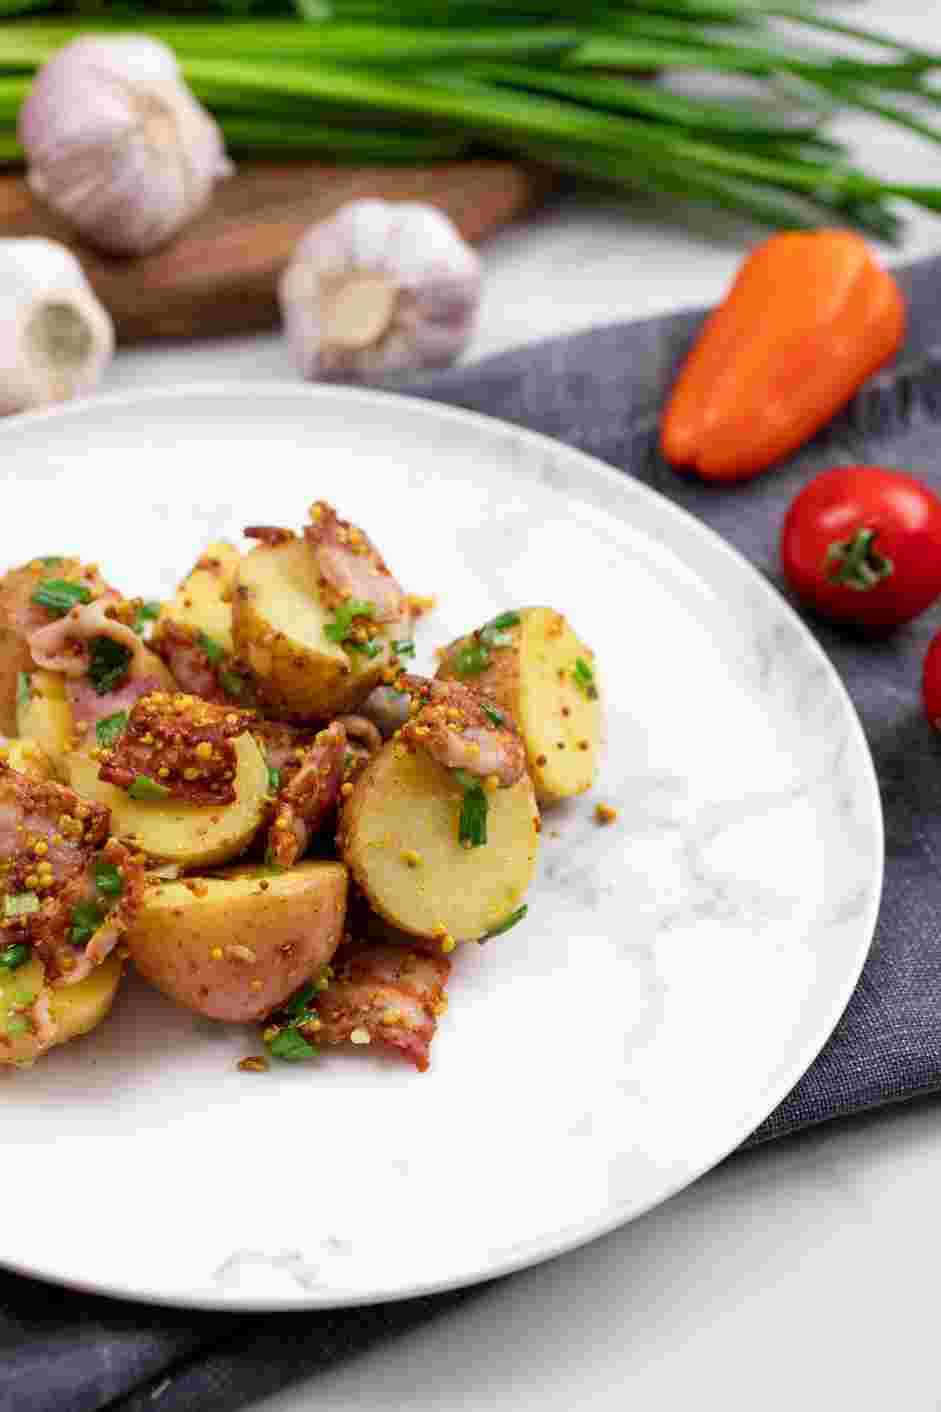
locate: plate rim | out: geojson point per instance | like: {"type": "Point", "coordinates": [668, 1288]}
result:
{"type": "Point", "coordinates": [574, 1236]}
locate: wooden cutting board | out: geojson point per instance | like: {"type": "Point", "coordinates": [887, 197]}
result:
{"type": "Point", "coordinates": [219, 275]}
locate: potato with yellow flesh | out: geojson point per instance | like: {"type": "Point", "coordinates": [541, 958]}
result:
{"type": "Point", "coordinates": [173, 830]}
{"type": "Point", "coordinates": [203, 601]}
{"type": "Point", "coordinates": [399, 838]}
{"type": "Point", "coordinates": [44, 715]}
{"type": "Point", "coordinates": [27, 758]}
{"type": "Point", "coordinates": [74, 1009]}
{"type": "Point", "coordinates": [536, 677]}
{"type": "Point", "coordinates": [20, 616]}
{"type": "Point", "coordinates": [234, 946]}
{"type": "Point", "coordinates": [278, 622]}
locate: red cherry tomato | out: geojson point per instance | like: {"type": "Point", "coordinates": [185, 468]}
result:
{"type": "Point", "coordinates": [931, 682]}
{"type": "Point", "coordinates": [862, 545]}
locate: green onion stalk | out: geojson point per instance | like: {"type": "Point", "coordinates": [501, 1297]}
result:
{"type": "Point", "coordinates": [592, 88]}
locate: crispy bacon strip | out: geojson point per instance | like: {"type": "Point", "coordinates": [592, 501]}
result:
{"type": "Point", "coordinates": [88, 707]}
{"type": "Point", "coordinates": [449, 722]}
{"type": "Point", "coordinates": [392, 994]}
{"type": "Point", "coordinates": [62, 646]}
{"type": "Point", "coordinates": [307, 797]}
{"type": "Point", "coordinates": [194, 671]}
{"type": "Point", "coordinates": [350, 566]}
{"type": "Point", "coordinates": [181, 742]}
{"type": "Point", "coordinates": [268, 534]}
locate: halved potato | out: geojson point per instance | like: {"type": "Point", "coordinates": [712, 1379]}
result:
{"type": "Point", "coordinates": [278, 623]}
{"type": "Point", "coordinates": [173, 831]}
{"type": "Point", "coordinates": [203, 600]}
{"type": "Point", "coordinates": [76, 1009]}
{"type": "Point", "coordinates": [555, 703]}
{"type": "Point", "coordinates": [399, 838]}
{"type": "Point", "coordinates": [43, 714]}
{"type": "Point", "coordinates": [236, 945]}
{"type": "Point", "coordinates": [28, 758]}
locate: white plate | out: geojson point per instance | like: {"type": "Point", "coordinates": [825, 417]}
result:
{"type": "Point", "coordinates": [677, 971]}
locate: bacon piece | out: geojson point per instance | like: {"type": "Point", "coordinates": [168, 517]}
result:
{"type": "Point", "coordinates": [307, 797]}
{"type": "Point", "coordinates": [268, 534]}
{"type": "Point", "coordinates": [89, 707]}
{"type": "Point", "coordinates": [449, 722]}
{"type": "Point", "coordinates": [62, 646]}
{"type": "Point", "coordinates": [192, 668]}
{"type": "Point", "coordinates": [284, 745]}
{"type": "Point", "coordinates": [394, 994]}
{"type": "Point", "coordinates": [387, 708]}
{"type": "Point", "coordinates": [350, 566]}
{"type": "Point", "coordinates": [181, 742]}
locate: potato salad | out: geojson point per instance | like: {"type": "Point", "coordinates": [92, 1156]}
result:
{"type": "Point", "coordinates": [247, 793]}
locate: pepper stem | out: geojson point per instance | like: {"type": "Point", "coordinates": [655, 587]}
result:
{"type": "Point", "coordinates": [856, 564]}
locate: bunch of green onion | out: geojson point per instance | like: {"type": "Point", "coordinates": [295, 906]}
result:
{"type": "Point", "coordinates": [585, 86]}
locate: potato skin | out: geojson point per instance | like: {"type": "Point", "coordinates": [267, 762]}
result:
{"type": "Point", "coordinates": [203, 600]}
{"type": "Point", "coordinates": [28, 758]}
{"type": "Point", "coordinates": [173, 831]}
{"type": "Point", "coordinates": [405, 804]}
{"type": "Point", "coordinates": [76, 1009]}
{"type": "Point", "coordinates": [532, 678]}
{"type": "Point", "coordinates": [43, 714]}
{"type": "Point", "coordinates": [278, 623]}
{"type": "Point", "coordinates": [290, 923]}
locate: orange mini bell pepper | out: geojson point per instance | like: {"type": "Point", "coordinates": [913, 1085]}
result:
{"type": "Point", "coordinates": [808, 319]}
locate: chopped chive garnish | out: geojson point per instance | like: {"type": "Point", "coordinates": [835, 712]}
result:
{"type": "Point", "coordinates": [495, 717]}
{"type": "Point", "coordinates": [233, 684]}
{"type": "Point", "coordinates": [108, 663]}
{"type": "Point", "coordinates": [403, 647]}
{"type": "Point", "coordinates": [342, 625]}
{"type": "Point", "coordinates": [371, 648]}
{"type": "Point", "coordinates": [274, 780]}
{"type": "Point", "coordinates": [471, 659]}
{"type": "Point", "coordinates": [584, 678]}
{"type": "Point", "coordinates": [299, 1000]}
{"type": "Point", "coordinates": [212, 649]}
{"type": "Point", "coordinates": [23, 685]}
{"type": "Point", "coordinates": [494, 633]}
{"type": "Point", "coordinates": [52, 561]}
{"type": "Point", "coordinates": [87, 917]}
{"type": "Point", "coordinates": [12, 957]}
{"type": "Point", "coordinates": [24, 997]}
{"type": "Point", "coordinates": [111, 728]}
{"type": "Point", "coordinates": [108, 879]}
{"type": "Point", "coordinates": [508, 922]}
{"type": "Point", "coordinates": [146, 613]}
{"type": "Point", "coordinates": [143, 787]}
{"type": "Point", "coordinates": [60, 595]}
{"type": "Point", "coordinates": [16, 1025]}
{"type": "Point", "coordinates": [20, 904]}
{"type": "Point", "coordinates": [289, 1044]}
{"type": "Point", "coordinates": [473, 826]}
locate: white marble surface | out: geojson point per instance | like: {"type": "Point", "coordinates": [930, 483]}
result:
{"type": "Point", "coordinates": [798, 1275]}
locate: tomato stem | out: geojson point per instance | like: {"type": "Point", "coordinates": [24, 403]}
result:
{"type": "Point", "coordinates": [856, 564]}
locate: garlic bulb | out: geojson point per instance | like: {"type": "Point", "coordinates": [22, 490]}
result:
{"type": "Point", "coordinates": [56, 339]}
{"type": "Point", "coordinates": [117, 144]}
{"type": "Point", "coordinates": [382, 287]}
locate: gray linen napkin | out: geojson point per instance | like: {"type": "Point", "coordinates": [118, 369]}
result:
{"type": "Point", "coordinates": [601, 391]}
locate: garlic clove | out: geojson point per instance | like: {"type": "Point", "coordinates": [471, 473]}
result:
{"type": "Point", "coordinates": [381, 288]}
{"type": "Point", "coordinates": [117, 144]}
{"type": "Point", "coordinates": [56, 338]}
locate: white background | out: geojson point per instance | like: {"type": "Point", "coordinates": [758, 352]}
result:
{"type": "Point", "coordinates": [800, 1275]}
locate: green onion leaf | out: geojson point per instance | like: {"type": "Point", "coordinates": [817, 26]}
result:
{"type": "Point", "coordinates": [20, 904]}
{"type": "Point", "coordinates": [233, 684]}
{"type": "Point", "coordinates": [108, 879]}
{"type": "Point", "coordinates": [108, 663]}
{"type": "Point", "coordinates": [473, 826]}
{"type": "Point", "coordinates": [493, 715]}
{"type": "Point", "coordinates": [212, 649]}
{"type": "Point", "coordinates": [143, 787]}
{"type": "Point", "coordinates": [404, 647]}
{"type": "Point", "coordinates": [290, 1045]}
{"type": "Point", "coordinates": [274, 780]}
{"type": "Point", "coordinates": [16, 1025]}
{"type": "Point", "coordinates": [146, 613]}
{"type": "Point", "coordinates": [110, 729]}
{"type": "Point", "coordinates": [339, 630]}
{"type": "Point", "coordinates": [24, 997]}
{"type": "Point", "coordinates": [52, 561]}
{"type": "Point", "coordinates": [12, 957]}
{"type": "Point", "coordinates": [60, 596]}
{"type": "Point", "coordinates": [584, 678]}
{"type": "Point", "coordinates": [298, 1002]}
{"type": "Point", "coordinates": [23, 684]}
{"type": "Point", "coordinates": [502, 620]}
{"type": "Point", "coordinates": [87, 917]}
{"type": "Point", "coordinates": [370, 647]}
{"type": "Point", "coordinates": [471, 659]}
{"type": "Point", "coordinates": [508, 922]}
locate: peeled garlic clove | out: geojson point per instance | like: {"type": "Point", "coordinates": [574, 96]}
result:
{"type": "Point", "coordinates": [56, 339]}
{"type": "Point", "coordinates": [382, 287]}
{"type": "Point", "coordinates": [117, 144]}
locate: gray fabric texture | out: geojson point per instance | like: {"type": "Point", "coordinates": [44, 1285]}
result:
{"type": "Point", "coordinates": [601, 391]}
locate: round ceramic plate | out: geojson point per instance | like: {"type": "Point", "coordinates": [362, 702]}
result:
{"type": "Point", "coordinates": [677, 972]}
